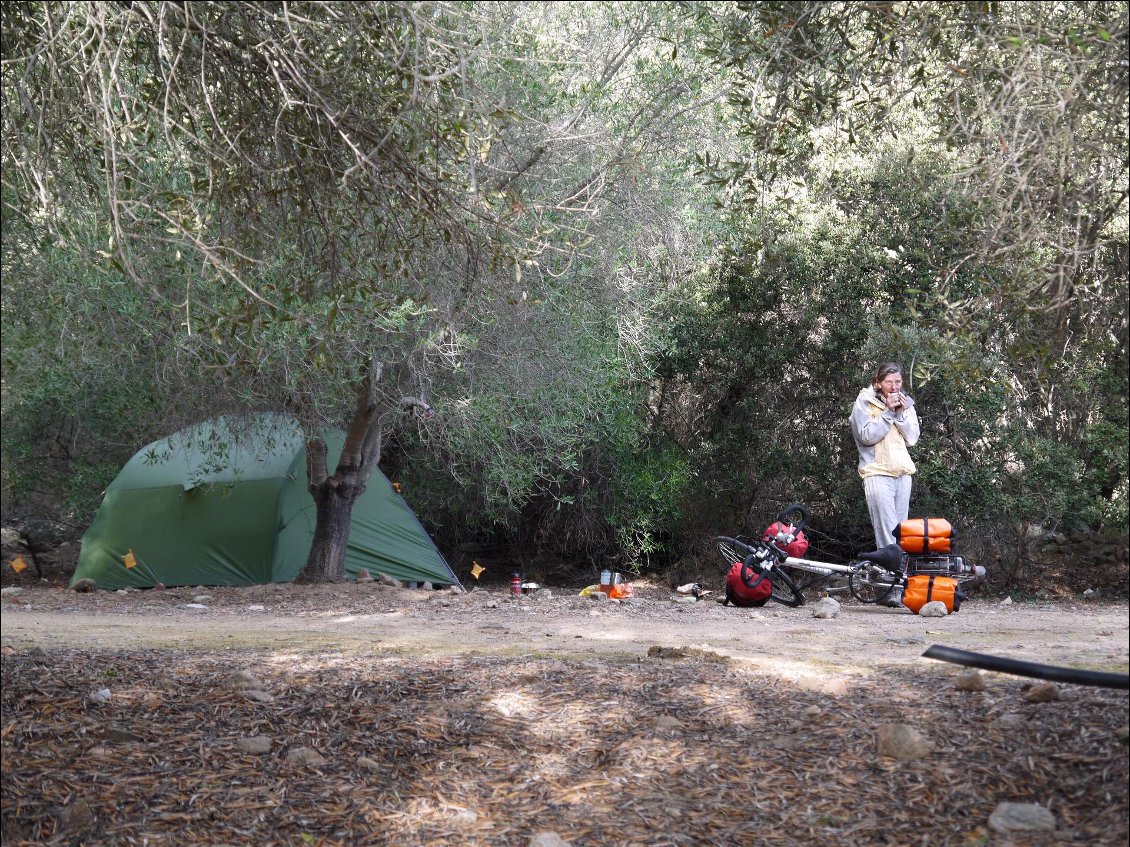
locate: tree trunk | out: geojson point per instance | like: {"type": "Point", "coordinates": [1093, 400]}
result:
{"type": "Point", "coordinates": [331, 533]}
{"type": "Point", "coordinates": [334, 495]}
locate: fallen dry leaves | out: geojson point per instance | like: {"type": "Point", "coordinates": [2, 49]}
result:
{"type": "Point", "coordinates": [488, 751]}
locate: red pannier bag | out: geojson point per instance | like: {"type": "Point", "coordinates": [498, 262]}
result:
{"type": "Point", "coordinates": [921, 536]}
{"type": "Point", "coordinates": [740, 594]}
{"type": "Point", "coordinates": [796, 548]}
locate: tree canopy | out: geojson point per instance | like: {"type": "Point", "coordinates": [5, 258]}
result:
{"type": "Point", "coordinates": [632, 260]}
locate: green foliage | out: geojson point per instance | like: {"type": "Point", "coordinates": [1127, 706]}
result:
{"type": "Point", "coordinates": [766, 356]}
{"type": "Point", "coordinates": [639, 258]}
{"type": "Point", "coordinates": [74, 403]}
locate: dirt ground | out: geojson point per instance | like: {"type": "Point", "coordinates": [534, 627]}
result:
{"type": "Point", "coordinates": [552, 719]}
{"type": "Point", "coordinates": [557, 622]}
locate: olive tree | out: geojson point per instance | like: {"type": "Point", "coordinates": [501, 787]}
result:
{"type": "Point", "coordinates": [321, 202]}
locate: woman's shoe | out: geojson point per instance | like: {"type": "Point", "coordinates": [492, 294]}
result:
{"type": "Point", "coordinates": [894, 599]}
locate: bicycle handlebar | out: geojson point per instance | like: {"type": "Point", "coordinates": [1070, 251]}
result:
{"type": "Point", "coordinates": [798, 509]}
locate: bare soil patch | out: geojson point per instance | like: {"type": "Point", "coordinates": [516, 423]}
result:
{"type": "Point", "coordinates": [483, 719]}
{"type": "Point", "coordinates": [556, 622]}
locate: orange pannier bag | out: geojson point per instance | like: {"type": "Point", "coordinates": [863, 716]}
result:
{"type": "Point", "coordinates": [922, 588]}
{"type": "Point", "coordinates": [925, 535]}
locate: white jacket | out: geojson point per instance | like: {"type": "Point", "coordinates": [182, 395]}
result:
{"type": "Point", "coordinates": [883, 437]}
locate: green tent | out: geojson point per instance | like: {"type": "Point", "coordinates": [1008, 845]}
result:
{"type": "Point", "coordinates": [225, 503]}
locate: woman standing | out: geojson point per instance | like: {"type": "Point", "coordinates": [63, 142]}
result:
{"type": "Point", "coordinates": [885, 424]}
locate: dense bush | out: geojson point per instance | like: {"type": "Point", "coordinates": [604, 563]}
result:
{"type": "Point", "coordinates": [766, 358]}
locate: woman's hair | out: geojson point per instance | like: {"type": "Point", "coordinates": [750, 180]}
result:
{"type": "Point", "coordinates": [885, 370]}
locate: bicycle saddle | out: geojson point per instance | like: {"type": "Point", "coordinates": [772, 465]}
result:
{"type": "Point", "coordinates": [889, 557]}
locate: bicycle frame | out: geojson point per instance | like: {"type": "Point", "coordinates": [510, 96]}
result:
{"type": "Point", "coordinates": [826, 570]}
{"type": "Point", "coordinates": [822, 568]}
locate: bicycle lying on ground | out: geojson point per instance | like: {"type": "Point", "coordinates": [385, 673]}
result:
{"type": "Point", "coordinates": [871, 577]}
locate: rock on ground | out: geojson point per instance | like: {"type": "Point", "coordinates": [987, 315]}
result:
{"type": "Point", "coordinates": [305, 756]}
{"type": "Point", "coordinates": [1021, 817]}
{"type": "Point", "coordinates": [934, 609]}
{"type": "Point", "coordinates": [969, 681]}
{"type": "Point", "coordinates": [1042, 692]}
{"type": "Point", "coordinates": [902, 742]}
{"type": "Point", "coordinates": [258, 745]}
{"type": "Point", "coordinates": [826, 609]}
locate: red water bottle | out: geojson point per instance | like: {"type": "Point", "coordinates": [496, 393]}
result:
{"type": "Point", "coordinates": [515, 583]}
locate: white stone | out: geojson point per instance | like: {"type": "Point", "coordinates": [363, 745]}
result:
{"type": "Point", "coordinates": [242, 679]}
{"type": "Point", "coordinates": [305, 756]}
{"type": "Point", "coordinates": [1007, 601]}
{"type": "Point", "coordinates": [548, 839]}
{"type": "Point", "coordinates": [934, 609]}
{"type": "Point", "coordinates": [826, 609]}
{"type": "Point", "coordinates": [463, 817]}
{"type": "Point", "coordinates": [1021, 817]}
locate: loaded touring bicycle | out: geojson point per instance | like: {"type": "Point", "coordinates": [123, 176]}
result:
{"type": "Point", "coordinates": [924, 550]}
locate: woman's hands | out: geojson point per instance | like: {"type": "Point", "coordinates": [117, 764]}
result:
{"type": "Point", "coordinates": [894, 401]}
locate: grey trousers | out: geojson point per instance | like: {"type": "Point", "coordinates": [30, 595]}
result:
{"type": "Point", "coordinates": [888, 502]}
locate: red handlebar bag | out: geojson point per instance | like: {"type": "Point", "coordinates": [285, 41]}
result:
{"type": "Point", "coordinates": [925, 535]}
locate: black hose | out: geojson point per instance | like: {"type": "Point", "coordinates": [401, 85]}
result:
{"type": "Point", "coordinates": [1032, 669]}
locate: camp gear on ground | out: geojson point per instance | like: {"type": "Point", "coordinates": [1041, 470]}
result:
{"type": "Point", "coordinates": [620, 591]}
{"type": "Point", "coordinates": [943, 566]}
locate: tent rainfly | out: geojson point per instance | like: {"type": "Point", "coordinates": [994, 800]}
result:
{"type": "Point", "coordinates": [225, 502]}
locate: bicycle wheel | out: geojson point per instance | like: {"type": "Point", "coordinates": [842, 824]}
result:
{"type": "Point", "coordinates": [805, 580]}
{"type": "Point", "coordinates": [731, 550]}
{"type": "Point", "coordinates": [871, 583]}
{"type": "Point", "coordinates": [784, 589]}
